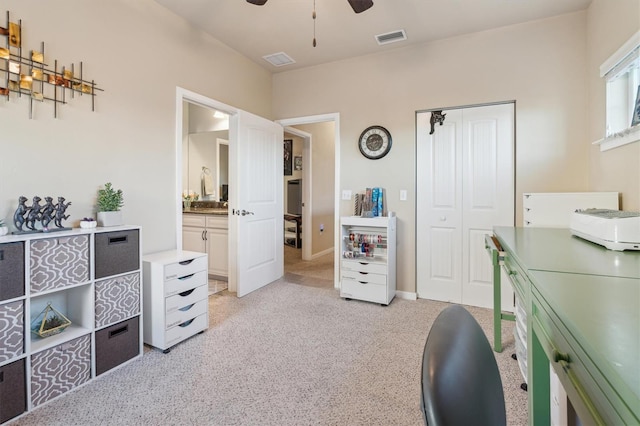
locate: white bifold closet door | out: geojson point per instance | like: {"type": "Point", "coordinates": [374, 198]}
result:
{"type": "Point", "coordinates": [465, 187]}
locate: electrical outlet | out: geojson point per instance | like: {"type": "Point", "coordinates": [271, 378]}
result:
{"type": "Point", "coordinates": [346, 194]}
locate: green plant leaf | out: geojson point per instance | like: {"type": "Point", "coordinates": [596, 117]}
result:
{"type": "Point", "coordinates": [109, 199]}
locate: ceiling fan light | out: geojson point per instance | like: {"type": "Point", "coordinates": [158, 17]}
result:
{"type": "Point", "coordinates": [359, 6]}
{"type": "Point", "coordinates": [257, 2]}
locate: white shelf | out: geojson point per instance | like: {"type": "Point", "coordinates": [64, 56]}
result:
{"type": "Point", "coordinates": [368, 259]}
{"type": "Point", "coordinates": [50, 261]}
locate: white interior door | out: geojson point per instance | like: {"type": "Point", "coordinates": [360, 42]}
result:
{"type": "Point", "coordinates": [439, 232]}
{"type": "Point", "coordinates": [465, 188]}
{"type": "Point", "coordinates": [255, 202]}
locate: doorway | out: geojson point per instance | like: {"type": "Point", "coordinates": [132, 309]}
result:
{"type": "Point", "coordinates": [255, 193]}
{"type": "Point", "coordinates": [321, 204]}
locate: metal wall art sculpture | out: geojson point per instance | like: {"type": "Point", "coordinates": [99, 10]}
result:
{"type": "Point", "coordinates": [28, 75]}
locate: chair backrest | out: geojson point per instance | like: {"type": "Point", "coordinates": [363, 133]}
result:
{"type": "Point", "coordinates": [461, 382]}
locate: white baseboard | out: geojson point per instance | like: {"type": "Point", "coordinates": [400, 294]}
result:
{"type": "Point", "coordinates": [407, 295]}
{"type": "Point", "coordinates": [322, 253]}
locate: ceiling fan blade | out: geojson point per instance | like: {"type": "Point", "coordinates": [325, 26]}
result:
{"type": "Point", "coordinates": [257, 2]}
{"type": "Point", "coordinates": [359, 5]}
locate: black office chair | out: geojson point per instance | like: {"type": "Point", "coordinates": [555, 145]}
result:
{"type": "Point", "coordinates": [461, 382]}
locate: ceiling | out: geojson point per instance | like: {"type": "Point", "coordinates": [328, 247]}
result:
{"type": "Point", "coordinates": [287, 25]}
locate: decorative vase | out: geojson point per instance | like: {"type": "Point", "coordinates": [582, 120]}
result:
{"type": "Point", "coordinates": [88, 224]}
{"type": "Point", "coordinates": [110, 218]}
{"type": "Point", "coordinates": [4, 230]}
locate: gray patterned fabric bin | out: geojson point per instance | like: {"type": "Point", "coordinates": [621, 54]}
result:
{"type": "Point", "coordinates": [117, 299]}
{"type": "Point", "coordinates": [59, 262]}
{"type": "Point", "coordinates": [11, 330]}
{"type": "Point", "coordinates": [48, 380]}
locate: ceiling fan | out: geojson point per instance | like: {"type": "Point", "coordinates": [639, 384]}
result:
{"type": "Point", "coordinates": [357, 5]}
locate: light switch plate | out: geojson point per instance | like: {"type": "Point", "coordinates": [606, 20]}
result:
{"type": "Point", "coordinates": [346, 194]}
{"type": "Point", "coordinates": [403, 195]}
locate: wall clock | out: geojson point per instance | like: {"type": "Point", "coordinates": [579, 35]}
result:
{"type": "Point", "coordinates": [375, 142]}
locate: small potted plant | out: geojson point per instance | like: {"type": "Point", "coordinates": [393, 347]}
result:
{"type": "Point", "coordinates": [4, 229]}
{"type": "Point", "coordinates": [109, 203]}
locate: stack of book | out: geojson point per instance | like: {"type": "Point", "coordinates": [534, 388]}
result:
{"type": "Point", "coordinates": [370, 204]}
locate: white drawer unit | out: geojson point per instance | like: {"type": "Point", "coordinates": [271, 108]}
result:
{"type": "Point", "coordinates": [368, 259]}
{"type": "Point", "coordinates": [554, 209]}
{"type": "Point", "coordinates": [176, 304]}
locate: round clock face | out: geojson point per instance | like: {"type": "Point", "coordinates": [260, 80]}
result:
{"type": "Point", "coordinates": [375, 142]}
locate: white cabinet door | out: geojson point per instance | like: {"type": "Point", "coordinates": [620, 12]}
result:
{"type": "Point", "coordinates": [193, 239]}
{"type": "Point", "coordinates": [217, 244]}
{"type": "Point", "coordinates": [465, 188]}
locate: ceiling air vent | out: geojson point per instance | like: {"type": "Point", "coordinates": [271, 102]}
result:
{"type": "Point", "coordinates": [391, 37]}
{"type": "Point", "coordinates": [279, 59]}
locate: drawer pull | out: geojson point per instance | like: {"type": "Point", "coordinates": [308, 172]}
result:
{"type": "Point", "coordinates": [363, 263]}
{"type": "Point", "coordinates": [363, 282]}
{"type": "Point", "coordinates": [364, 273]}
{"type": "Point", "coordinates": [186, 262]}
{"type": "Point", "coordinates": [186, 308]}
{"type": "Point", "coordinates": [118, 331]}
{"type": "Point", "coordinates": [186, 292]}
{"type": "Point", "coordinates": [186, 277]}
{"type": "Point", "coordinates": [561, 357]}
{"type": "Point", "coordinates": [118, 240]}
{"type": "Point", "coordinates": [1, 376]}
{"type": "Point", "coordinates": [186, 323]}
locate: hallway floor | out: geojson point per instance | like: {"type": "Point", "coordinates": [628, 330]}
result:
{"type": "Point", "coordinates": [315, 273]}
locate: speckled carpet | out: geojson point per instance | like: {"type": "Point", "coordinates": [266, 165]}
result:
{"type": "Point", "coordinates": [287, 354]}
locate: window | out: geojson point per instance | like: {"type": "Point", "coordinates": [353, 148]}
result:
{"type": "Point", "coordinates": [622, 73]}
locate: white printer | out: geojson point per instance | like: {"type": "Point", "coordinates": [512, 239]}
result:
{"type": "Point", "coordinates": [614, 229]}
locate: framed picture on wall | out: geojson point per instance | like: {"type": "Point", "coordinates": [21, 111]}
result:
{"type": "Point", "coordinates": [636, 111]}
{"type": "Point", "coordinates": [288, 159]}
{"type": "Point", "coordinates": [297, 162]}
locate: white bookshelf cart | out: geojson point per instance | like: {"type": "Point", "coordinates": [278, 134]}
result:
{"type": "Point", "coordinates": [368, 258]}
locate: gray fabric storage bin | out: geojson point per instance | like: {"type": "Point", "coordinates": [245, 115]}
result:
{"type": "Point", "coordinates": [11, 270]}
{"type": "Point", "coordinates": [49, 379]}
{"type": "Point", "coordinates": [13, 390]}
{"type": "Point", "coordinates": [58, 262]}
{"type": "Point", "coordinates": [116, 252]}
{"type": "Point", "coordinates": [117, 344]}
{"type": "Point", "coordinates": [11, 330]}
{"type": "Point", "coordinates": [117, 298]}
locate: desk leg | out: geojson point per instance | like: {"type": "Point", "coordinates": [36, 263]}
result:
{"type": "Point", "coordinates": [538, 386]}
{"type": "Point", "coordinates": [497, 303]}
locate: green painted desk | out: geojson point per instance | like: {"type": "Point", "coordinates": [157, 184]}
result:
{"type": "Point", "coordinates": [583, 316]}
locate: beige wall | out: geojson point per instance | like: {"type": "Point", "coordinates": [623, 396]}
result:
{"type": "Point", "coordinates": [610, 24]}
{"type": "Point", "coordinates": [539, 64]}
{"type": "Point", "coordinates": [322, 183]}
{"type": "Point", "coordinates": [138, 52]}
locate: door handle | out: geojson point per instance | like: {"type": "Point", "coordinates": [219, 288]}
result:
{"type": "Point", "coordinates": [241, 212]}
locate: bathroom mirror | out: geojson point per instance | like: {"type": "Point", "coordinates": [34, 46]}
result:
{"type": "Point", "coordinates": [205, 159]}
{"type": "Point", "coordinates": [222, 156]}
